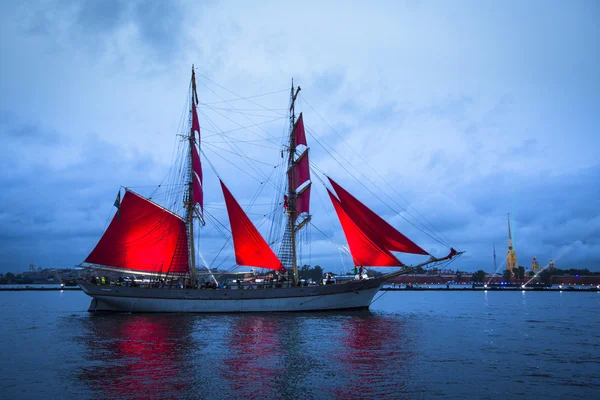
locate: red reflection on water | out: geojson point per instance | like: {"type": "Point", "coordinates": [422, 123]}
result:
{"type": "Point", "coordinates": [251, 366]}
{"type": "Point", "coordinates": [376, 355]}
{"type": "Point", "coordinates": [136, 353]}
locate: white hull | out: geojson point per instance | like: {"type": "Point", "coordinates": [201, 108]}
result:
{"type": "Point", "coordinates": [358, 294]}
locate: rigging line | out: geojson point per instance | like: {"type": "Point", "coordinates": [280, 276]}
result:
{"type": "Point", "coordinates": [380, 296]}
{"type": "Point", "coordinates": [234, 147]}
{"type": "Point", "coordinates": [331, 220]}
{"type": "Point", "coordinates": [370, 191]}
{"type": "Point", "coordinates": [239, 155]}
{"type": "Point", "coordinates": [322, 233]}
{"type": "Point", "coordinates": [219, 252]}
{"type": "Point", "coordinates": [241, 169]}
{"type": "Point", "coordinates": [237, 111]}
{"type": "Point", "coordinates": [240, 110]}
{"type": "Point", "coordinates": [377, 173]}
{"type": "Point", "coordinates": [180, 129]}
{"type": "Point", "coordinates": [242, 98]}
{"type": "Point", "coordinates": [429, 232]}
{"type": "Point", "coordinates": [216, 133]}
{"type": "Point", "coordinates": [215, 219]}
{"type": "Point", "coordinates": [222, 206]}
{"type": "Point", "coordinates": [248, 143]}
{"type": "Point", "coordinates": [248, 118]}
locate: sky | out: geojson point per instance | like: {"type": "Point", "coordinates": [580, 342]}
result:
{"type": "Point", "coordinates": [468, 110]}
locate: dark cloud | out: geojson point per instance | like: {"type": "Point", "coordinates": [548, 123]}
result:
{"type": "Point", "coordinates": [54, 211]}
{"type": "Point", "coordinates": [95, 26]}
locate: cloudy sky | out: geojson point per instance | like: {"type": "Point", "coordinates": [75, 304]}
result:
{"type": "Point", "coordinates": [469, 109]}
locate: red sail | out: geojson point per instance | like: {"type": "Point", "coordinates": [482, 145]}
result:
{"type": "Point", "coordinates": [195, 122]}
{"type": "Point", "coordinates": [373, 225]}
{"type": "Point", "coordinates": [303, 200]}
{"type": "Point", "coordinates": [196, 164]}
{"type": "Point", "coordinates": [301, 169]}
{"type": "Point", "coordinates": [197, 193]}
{"type": "Point", "coordinates": [250, 247]}
{"type": "Point", "coordinates": [298, 132]}
{"type": "Point", "coordinates": [145, 238]}
{"type": "Point", "coordinates": [364, 249]}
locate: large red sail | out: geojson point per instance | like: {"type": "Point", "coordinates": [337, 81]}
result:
{"type": "Point", "coordinates": [298, 132]}
{"type": "Point", "coordinates": [195, 122]}
{"type": "Point", "coordinates": [301, 170]}
{"type": "Point", "coordinates": [364, 249]}
{"type": "Point", "coordinates": [197, 193]}
{"type": "Point", "coordinates": [249, 246]}
{"type": "Point", "coordinates": [196, 164]}
{"type": "Point", "coordinates": [144, 238]}
{"type": "Point", "coordinates": [374, 225]}
{"type": "Point", "coordinates": [303, 199]}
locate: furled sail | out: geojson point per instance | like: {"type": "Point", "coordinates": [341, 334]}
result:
{"type": "Point", "coordinates": [145, 238]}
{"type": "Point", "coordinates": [365, 250]}
{"type": "Point", "coordinates": [249, 246]}
{"type": "Point", "coordinates": [373, 225]}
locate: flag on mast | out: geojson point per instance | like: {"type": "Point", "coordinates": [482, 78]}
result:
{"type": "Point", "coordinates": [118, 204]}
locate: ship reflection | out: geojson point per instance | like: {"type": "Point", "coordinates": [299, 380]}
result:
{"type": "Point", "coordinates": [376, 358]}
{"type": "Point", "coordinates": [313, 355]}
{"type": "Point", "coordinates": [130, 355]}
{"type": "Point", "coordinates": [252, 367]}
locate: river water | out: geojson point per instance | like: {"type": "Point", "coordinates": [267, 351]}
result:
{"type": "Point", "coordinates": [411, 344]}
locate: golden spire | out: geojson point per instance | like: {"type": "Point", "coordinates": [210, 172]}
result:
{"type": "Point", "coordinates": [510, 245]}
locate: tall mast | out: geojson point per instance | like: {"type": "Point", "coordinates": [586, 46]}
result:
{"type": "Point", "coordinates": [189, 203]}
{"type": "Point", "coordinates": [291, 209]}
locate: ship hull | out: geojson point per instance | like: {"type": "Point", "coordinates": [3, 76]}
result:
{"type": "Point", "coordinates": [349, 295]}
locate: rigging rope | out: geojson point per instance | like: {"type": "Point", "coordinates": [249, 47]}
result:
{"type": "Point", "coordinates": [447, 242]}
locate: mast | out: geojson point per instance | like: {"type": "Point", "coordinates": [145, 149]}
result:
{"type": "Point", "coordinates": [189, 203]}
{"type": "Point", "coordinates": [292, 194]}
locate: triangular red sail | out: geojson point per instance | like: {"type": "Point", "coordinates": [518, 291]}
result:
{"type": "Point", "coordinates": [373, 225]}
{"type": "Point", "coordinates": [250, 247]}
{"type": "Point", "coordinates": [196, 164]}
{"type": "Point", "coordinates": [364, 249]}
{"type": "Point", "coordinates": [195, 122]}
{"type": "Point", "coordinates": [145, 238]}
{"type": "Point", "coordinates": [303, 199]}
{"type": "Point", "coordinates": [197, 192]}
{"type": "Point", "coordinates": [298, 132]}
{"type": "Point", "coordinates": [301, 169]}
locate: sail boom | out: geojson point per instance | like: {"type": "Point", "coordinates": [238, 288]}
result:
{"type": "Point", "coordinates": [131, 271]}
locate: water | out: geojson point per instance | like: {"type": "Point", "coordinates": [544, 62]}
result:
{"type": "Point", "coordinates": [416, 345]}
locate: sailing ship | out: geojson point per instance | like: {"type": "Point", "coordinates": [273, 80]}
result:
{"type": "Point", "coordinates": [145, 238]}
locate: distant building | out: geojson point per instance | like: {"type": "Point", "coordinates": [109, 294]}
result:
{"type": "Point", "coordinates": [511, 256]}
{"type": "Point", "coordinates": [535, 265]}
{"type": "Point", "coordinates": [551, 264]}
